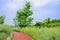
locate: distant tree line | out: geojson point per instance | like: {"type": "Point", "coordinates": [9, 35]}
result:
{"type": "Point", "coordinates": [48, 22]}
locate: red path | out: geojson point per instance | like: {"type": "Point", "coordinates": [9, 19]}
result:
{"type": "Point", "coordinates": [21, 36]}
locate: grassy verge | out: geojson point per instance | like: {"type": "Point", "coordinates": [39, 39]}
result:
{"type": "Point", "coordinates": [5, 31]}
{"type": "Point", "coordinates": [42, 33]}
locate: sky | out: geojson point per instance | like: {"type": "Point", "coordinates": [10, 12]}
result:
{"type": "Point", "coordinates": [42, 9]}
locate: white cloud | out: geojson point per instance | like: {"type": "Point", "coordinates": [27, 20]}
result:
{"type": "Point", "coordinates": [14, 4]}
{"type": "Point", "coordinates": [39, 3]}
{"type": "Point", "coordinates": [11, 6]}
{"type": "Point", "coordinates": [17, 1]}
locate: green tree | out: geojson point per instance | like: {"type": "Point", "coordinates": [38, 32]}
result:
{"type": "Point", "coordinates": [47, 21]}
{"type": "Point", "coordinates": [40, 24]}
{"type": "Point", "coordinates": [23, 18]}
{"type": "Point", "coordinates": [54, 21]}
{"type": "Point", "coordinates": [2, 19]}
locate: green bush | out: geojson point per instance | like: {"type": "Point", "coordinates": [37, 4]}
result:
{"type": "Point", "coordinates": [54, 25]}
{"type": "Point", "coordinates": [5, 31]}
{"type": "Point", "coordinates": [3, 36]}
{"type": "Point", "coordinates": [43, 33]}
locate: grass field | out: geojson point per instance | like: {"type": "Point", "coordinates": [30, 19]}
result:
{"type": "Point", "coordinates": [51, 33]}
{"type": "Point", "coordinates": [42, 33]}
{"type": "Point", "coordinates": [5, 31]}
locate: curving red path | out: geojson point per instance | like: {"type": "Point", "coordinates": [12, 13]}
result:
{"type": "Point", "coordinates": [21, 36]}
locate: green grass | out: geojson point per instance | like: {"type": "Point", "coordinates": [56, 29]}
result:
{"type": "Point", "coordinates": [54, 25]}
{"type": "Point", "coordinates": [42, 33]}
{"type": "Point", "coordinates": [5, 31]}
{"type": "Point", "coordinates": [36, 33]}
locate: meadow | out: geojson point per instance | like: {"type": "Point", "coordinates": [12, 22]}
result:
{"type": "Point", "coordinates": [36, 33]}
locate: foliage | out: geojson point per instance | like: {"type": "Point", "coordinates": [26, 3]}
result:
{"type": "Point", "coordinates": [40, 24]}
{"type": "Point", "coordinates": [3, 36]}
{"type": "Point", "coordinates": [55, 21]}
{"type": "Point", "coordinates": [23, 18]}
{"type": "Point", "coordinates": [54, 25]}
{"type": "Point", "coordinates": [2, 19]}
{"type": "Point", "coordinates": [44, 23]}
{"type": "Point", "coordinates": [5, 31]}
{"type": "Point", "coordinates": [42, 33]}
{"type": "Point", "coordinates": [49, 23]}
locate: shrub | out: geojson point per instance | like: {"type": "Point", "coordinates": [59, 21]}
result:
{"type": "Point", "coordinates": [5, 31]}
{"type": "Point", "coordinates": [54, 25]}
{"type": "Point", "coordinates": [43, 33]}
{"type": "Point", "coordinates": [3, 36]}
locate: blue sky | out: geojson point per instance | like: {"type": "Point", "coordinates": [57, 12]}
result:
{"type": "Point", "coordinates": [42, 9]}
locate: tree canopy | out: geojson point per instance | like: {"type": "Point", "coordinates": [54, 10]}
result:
{"type": "Point", "coordinates": [23, 18]}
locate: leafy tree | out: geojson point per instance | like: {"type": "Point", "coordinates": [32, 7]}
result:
{"type": "Point", "coordinates": [37, 24]}
{"type": "Point", "coordinates": [47, 21]}
{"type": "Point", "coordinates": [40, 24]}
{"type": "Point", "coordinates": [2, 19]}
{"type": "Point", "coordinates": [23, 18]}
{"type": "Point", "coordinates": [55, 21]}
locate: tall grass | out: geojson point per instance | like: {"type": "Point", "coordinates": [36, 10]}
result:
{"type": "Point", "coordinates": [5, 31]}
{"type": "Point", "coordinates": [42, 33]}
